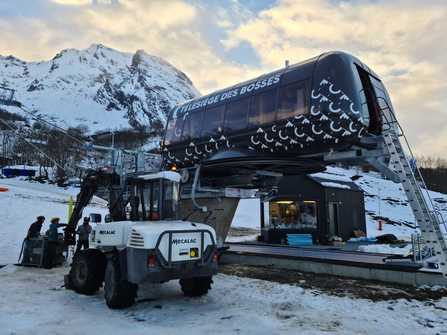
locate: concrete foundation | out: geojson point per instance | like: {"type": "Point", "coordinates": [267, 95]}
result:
{"type": "Point", "coordinates": [413, 278]}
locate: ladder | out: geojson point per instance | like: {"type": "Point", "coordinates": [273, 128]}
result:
{"type": "Point", "coordinates": [428, 220]}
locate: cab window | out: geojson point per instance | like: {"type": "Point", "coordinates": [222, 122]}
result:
{"type": "Point", "coordinates": [170, 199]}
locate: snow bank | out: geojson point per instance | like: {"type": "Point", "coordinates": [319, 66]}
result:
{"type": "Point", "coordinates": [386, 249]}
{"type": "Point", "coordinates": [335, 185]}
{"type": "Point", "coordinates": [33, 302]}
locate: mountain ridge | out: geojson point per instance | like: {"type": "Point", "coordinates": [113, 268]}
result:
{"type": "Point", "coordinates": [98, 87]}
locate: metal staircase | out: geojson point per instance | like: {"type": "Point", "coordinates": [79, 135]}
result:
{"type": "Point", "coordinates": [429, 220]}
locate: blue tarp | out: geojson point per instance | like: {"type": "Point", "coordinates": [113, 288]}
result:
{"type": "Point", "coordinates": [299, 240]}
{"type": "Point", "coordinates": [9, 172]}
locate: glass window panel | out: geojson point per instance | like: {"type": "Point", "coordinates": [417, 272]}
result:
{"type": "Point", "coordinates": [174, 131]}
{"type": "Point", "coordinates": [154, 201]}
{"type": "Point", "coordinates": [213, 121]}
{"type": "Point", "coordinates": [291, 101]}
{"type": "Point", "coordinates": [382, 95]}
{"type": "Point", "coordinates": [186, 133]}
{"type": "Point", "coordinates": [290, 214]}
{"type": "Point", "coordinates": [262, 109]}
{"type": "Point", "coordinates": [192, 125]}
{"type": "Point", "coordinates": [364, 107]}
{"type": "Point", "coordinates": [236, 115]}
{"type": "Point", "coordinates": [170, 199]}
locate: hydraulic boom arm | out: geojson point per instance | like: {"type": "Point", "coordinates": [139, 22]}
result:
{"type": "Point", "coordinates": [89, 186]}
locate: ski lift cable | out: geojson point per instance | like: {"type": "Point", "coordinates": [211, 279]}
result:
{"type": "Point", "coordinates": [24, 109]}
{"type": "Point", "coordinates": [65, 131]}
{"type": "Point", "coordinates": [15, 130]}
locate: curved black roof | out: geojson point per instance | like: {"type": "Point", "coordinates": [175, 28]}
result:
{"type": "Point", "coordinates": [302, 69]}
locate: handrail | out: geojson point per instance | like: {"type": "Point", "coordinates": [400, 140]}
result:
{"type": "Point", "coordinates": [433, 208]}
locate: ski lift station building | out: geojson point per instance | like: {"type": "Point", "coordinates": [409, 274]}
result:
{"type": "Point", "coordinates": [313, 205]}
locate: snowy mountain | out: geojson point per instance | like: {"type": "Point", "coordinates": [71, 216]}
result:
{"type": "Point", "coordinates": [98, 87]}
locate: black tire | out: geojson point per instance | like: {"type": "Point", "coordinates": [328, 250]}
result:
{"type": "Point", "coordinates": [196, 287]}
{"type": "Point", "coordinates": [87, 272]}
{"type": "Point", "coordinates": [118, 293]}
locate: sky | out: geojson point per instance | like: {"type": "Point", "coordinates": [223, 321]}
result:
{"type": "Point", "coordinates": [221, 42]}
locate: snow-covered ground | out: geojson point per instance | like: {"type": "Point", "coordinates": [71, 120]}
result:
{"type": "Point", "coordinates": [34, 302]}
{"type": "Point", "coordinates": [404, 250]}
{"type": "Point", "coordinates": [24, 201]}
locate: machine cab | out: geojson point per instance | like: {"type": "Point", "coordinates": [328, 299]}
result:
{"type": "Point", "coordinates": [154, 196]}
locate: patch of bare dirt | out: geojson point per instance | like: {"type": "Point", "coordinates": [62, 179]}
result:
{"type": "Point", "coordinates": [237, 231]}
{"type": "Point", "coordinates": [337, 286]}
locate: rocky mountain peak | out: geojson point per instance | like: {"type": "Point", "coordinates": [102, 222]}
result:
{"type": "Point", "coordinates": [98, 87]}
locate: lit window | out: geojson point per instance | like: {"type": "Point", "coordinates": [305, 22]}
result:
{"type": "Point", "coordinates": [290, 214]}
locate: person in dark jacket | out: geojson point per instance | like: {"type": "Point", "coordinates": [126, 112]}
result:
{"type": "Point", "coordinates": [36, 227]}
{"type": "Point", "coordinates": [84, 233]}
{"type": "Point", "coordinates": [33, 232]}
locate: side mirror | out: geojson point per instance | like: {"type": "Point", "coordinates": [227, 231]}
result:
{"type": "Point", "coordinates": [95, 218]}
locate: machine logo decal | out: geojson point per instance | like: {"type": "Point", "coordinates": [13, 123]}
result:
{"type": "Point", "coordinates": [176, 241]}
{"type": "Point", "coordinates": [107, 232]}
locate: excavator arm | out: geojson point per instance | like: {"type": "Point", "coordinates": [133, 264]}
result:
{"type": "Point", "coordinates": [89, 186]}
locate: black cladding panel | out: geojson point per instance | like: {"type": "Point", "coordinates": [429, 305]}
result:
{"type": "Point", "coordinates": [298, 73]}
{"type": "Point", "coordinates": [308, 108]}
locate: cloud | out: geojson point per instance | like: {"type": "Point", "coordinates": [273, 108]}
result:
{"type": "Point", "coordinates": [83, 2]}
{"type": "Point", "coordinates": [168, 29]}
{"type": "Point", "coordinates": [72, 2]}
{"type": "Point", "coordinates": [403, 41]}
{"type": "Point", "coordinates": [219, 43]}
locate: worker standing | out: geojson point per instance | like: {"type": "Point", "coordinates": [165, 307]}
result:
{"type": "Point", "coordinates": [53, 233]}
{"type": "Point", "coordinates": [53, 237]}
{"type": "Point", "coordinates": [33, 232]}
{"type": "Point", "coordinates": [84, 233]}
{"type": "Point", "coordinates": [35, 227]}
